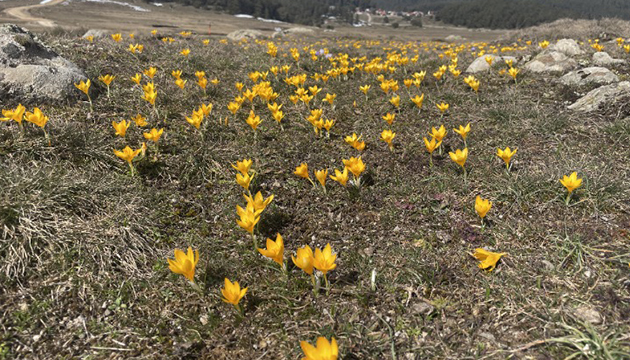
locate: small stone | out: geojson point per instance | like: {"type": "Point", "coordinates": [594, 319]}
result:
{"type": "Point", "coordinates": [487, 336]}
{"type": "Point", "coordinates": [422, 308]}
{"type": "Point", "coordinates": [547, 265]}
{"type": "Point", "coordinates": [588, 314]}
{"type": "Point", "coordinates": [203, 319]}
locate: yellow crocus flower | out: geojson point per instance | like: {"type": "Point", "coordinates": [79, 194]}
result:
{"type": "Point", "coordinates": [233, 107]}
{"type": "Point", "coordinates": [302, 171]}
{"type": "Point", "coordinates": [106, 79]}
{"type": "Point", "coordinates": [463, 131]}
{"type": "Point", "coordinates": [248, 218]}
{"type": "Point", "coordinates": [137, 78]}
{"type": "Point", "coordinates": [395, 100]}
{"type": "Point", "coordinates": [388, 136]}
{"type": "Point", "coordinates": [184, 263]}
{"type": "Point", "coordinates": [324, 351]}
{"type": "Point", "coordinates": [389, 118]}
{"type": "Point", "coordinates": [232, 292]}
{"type": "Point", "coordinates": [140, 120]}
{"type": "Point", "coordinates": [355, 166]}
{"type": "Point", "coordinates": [150, 72]}
{"type": "Point", "coordinates": [418, 100]}
{"type": "Point", "coordinates": [482, 206]}
{"type": "Point", "coordinates": [84, 86]}
{"type": "Point", "coordinates": [127, 154]}
{"type": "Point", "coordinates": [153, 135]}
{"type": "Point", "coordinates": [341, 176]}
{"type": "Point", "coordinates": [438, 134]}
{"type": "Point", "coordinates": [195, 119]}
{"type": "Point", "coordinates": [243, 166]}
{"type": "Point", "coordinates": [181, 83]}
{"type": "Point", "coordinates": [488, 259]}
{"type": "Point", "coordinates": [324, 261]}
{"type": "Point", "coordinates": [36, 117]}
{"type": "Point", "coordinates": [16, 114]}
{"type": "Point", "coordinates": [571, 182]}
{"type": "Point", "coordinates": [304, 259]}
{"type": "Point", "coordinates": [253, 120]}
{"type": "Point", "coordinates": [506, 155]}
{"type": "Point", "coordinates": [244, 180]}
{"type": "Point", "coordinates": [275, 250]}
{"type": "Point", "coordinates": [431, 145]}
{"type": "Point", "coordinates": [257, 201]}
{"type": "Point", "coordinates": [121, 127]}
{"type": "Point", "coordinates": [321, 176]}
{"type": "Point", "coordinates": [459, 156]}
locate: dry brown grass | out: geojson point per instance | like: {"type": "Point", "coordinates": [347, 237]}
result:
{"type": "Point", "coordinates": [84, 246]}
{"type": "Point", "coordinates": [603, 29]}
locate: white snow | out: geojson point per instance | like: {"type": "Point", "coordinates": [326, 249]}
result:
{"type": "Point", "coordinates": [121, 3]}
{"type": "Point", "coordinates": [133, 7]}
{"type": "Point", "coordinates": [243, 16]}
{"type": "Point", "coordinates": [270, 21]}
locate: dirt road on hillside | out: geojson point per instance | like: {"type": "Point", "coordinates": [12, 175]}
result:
{"type": "Point", "coordinates": [22, 13]}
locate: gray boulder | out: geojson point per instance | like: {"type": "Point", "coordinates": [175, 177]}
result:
{"type": "Point", "coordinates": [568, 47]}
{"type": "Point", "coordinates": [96, 33]}
{"type": "Point", "coordinates": [590, 75]}
{"type": "Point", "coordinates": [603, 59]}
{"type": "Point", "coordinates": [454, 38]}
{"type": "Point", "coordinates": [296, 31]}
{"type": "Point", "coordinates": [299, 31]}
{"type": "Point", "coordinates": [247, 34]}
{"type": "Point", "coordinates": [607, 94]}
{"type": "Point", "coordinates": [551, 61]}
{"type": "Point", "coordinates": [31, 72]}
{"type": "Point", "coordinates": [480, 64]}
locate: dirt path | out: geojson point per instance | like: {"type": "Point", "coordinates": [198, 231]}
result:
{"type": "Point", "coordinates": [22, 13]}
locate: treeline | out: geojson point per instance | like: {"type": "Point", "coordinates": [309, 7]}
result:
{"type": "Point", "coordinates": [514, 14]}
{"type": "Point", "coordinates": [308, 12]}
{"type": "Point", "coordinates": [413, 5]}
{"type": "Point", "coordinates": [504, 14]}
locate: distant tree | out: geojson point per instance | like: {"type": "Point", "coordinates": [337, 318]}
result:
{"type": "Point", "coordinates": [385, 20]}
{"type": "Point", "coordinates": [417, 22]}
{"type": "Point", "coordinates": [395, 25]}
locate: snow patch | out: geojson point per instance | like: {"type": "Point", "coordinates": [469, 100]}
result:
{"type": "Point", "coordinates": [245, 16]}
{"type": "Point", "coordinates": [133, 7]}
{"type": "Point", "coordinates": [270, 21]}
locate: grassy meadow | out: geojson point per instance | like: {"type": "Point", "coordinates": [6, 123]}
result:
{"type": "Point", "coordinates": [85, 240]}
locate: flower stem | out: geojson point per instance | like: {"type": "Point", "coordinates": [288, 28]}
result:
{"type": "Point", "coordinates": [566, 201]}
{"type": "Point", "coordinates": [255, 242]}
